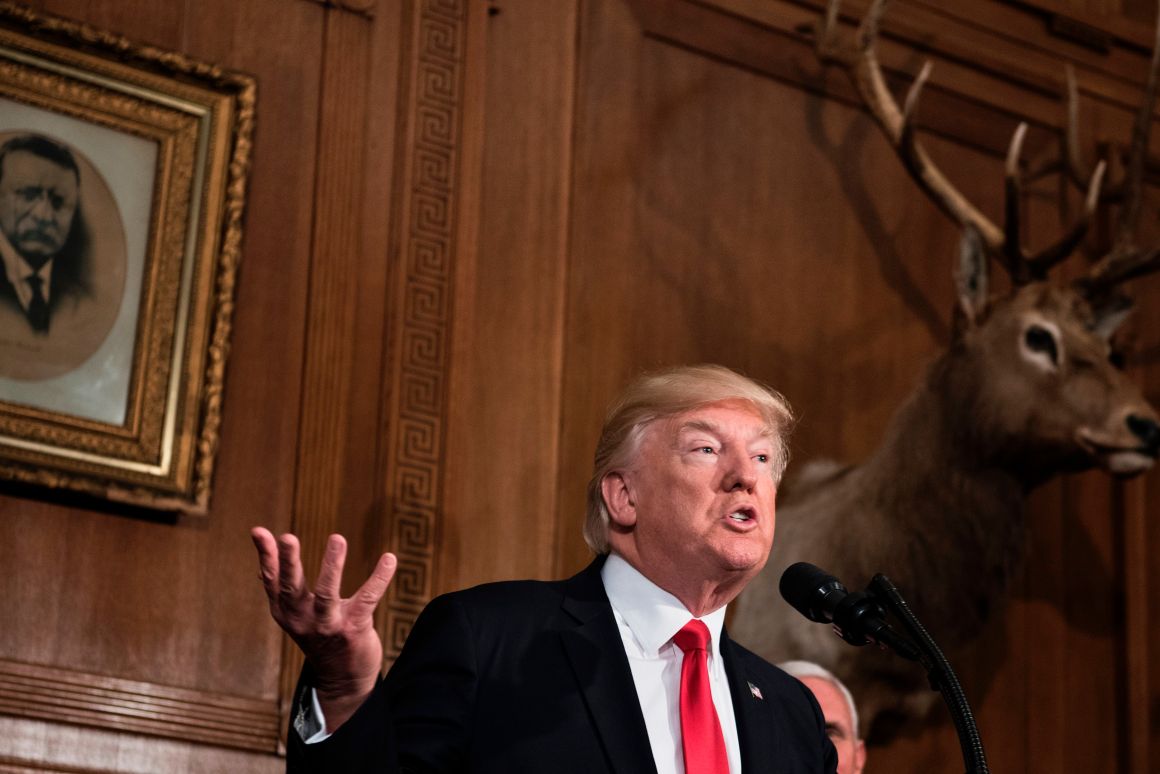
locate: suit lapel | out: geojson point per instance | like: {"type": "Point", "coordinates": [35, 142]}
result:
{"type": "Point", "coordinates": [7, 292]}
{"type": "Point", "coordinates": [757, 731]}
{"type": "Point", "coordinates": [594, 648]}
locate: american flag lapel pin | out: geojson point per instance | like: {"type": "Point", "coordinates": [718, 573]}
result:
{"type": "Point", "coordinates": [753, 689]}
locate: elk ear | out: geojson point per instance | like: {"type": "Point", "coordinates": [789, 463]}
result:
{"type": "Point", "coordinates": [1110, 314]}
{"type": "Point", "coordinates": [971, 275]}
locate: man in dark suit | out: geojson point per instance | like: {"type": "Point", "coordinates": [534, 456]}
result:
{"type": "Point", "coordinates": [41, 233]}
{"type": "Point", "coordinates": [623, 668]}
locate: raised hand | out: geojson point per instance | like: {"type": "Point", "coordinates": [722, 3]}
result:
{"type": "Point", "coordinates": [337, 635]}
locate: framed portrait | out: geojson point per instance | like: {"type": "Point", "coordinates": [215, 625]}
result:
{"type": "Point", "coordinates": [123, 173]}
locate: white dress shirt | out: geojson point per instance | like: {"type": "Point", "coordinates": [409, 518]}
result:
{"type": "Point", "coordinates": [648, 617]}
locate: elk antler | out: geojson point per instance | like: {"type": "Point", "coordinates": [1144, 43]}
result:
{"type": "Point", "coordinates": [862, 66]}
{"type": "Point", "coordinates": [1125, 260]}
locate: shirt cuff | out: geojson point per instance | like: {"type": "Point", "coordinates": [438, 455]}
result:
{"type": "Point", "coordinates": [309, 722]}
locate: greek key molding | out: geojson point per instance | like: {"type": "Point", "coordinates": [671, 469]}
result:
{"type": "Point", "coordinates": [423, 306]}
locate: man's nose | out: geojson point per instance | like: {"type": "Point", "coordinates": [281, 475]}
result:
{"type": "Point", "coordinates": [742, 473]}
{"type": "Point", "coordinates": [42, 208]}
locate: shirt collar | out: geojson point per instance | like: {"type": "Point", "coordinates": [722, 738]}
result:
{"type": "Point", "coordinates": [652, 614]}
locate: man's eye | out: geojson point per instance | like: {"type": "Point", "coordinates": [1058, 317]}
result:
{"type": "Point", "coordinates": [763, 458]}
{"type": "Point", "coordinates": [707, 450]}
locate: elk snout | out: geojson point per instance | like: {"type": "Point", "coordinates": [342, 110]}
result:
{"type": "Point", "coordinates": [1126, 449]}
{"type": "Point", "coordinates": [1148, 431]}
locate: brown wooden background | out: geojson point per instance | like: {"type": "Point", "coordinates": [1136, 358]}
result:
{"type": "Point", "coordinates": [469, 223]}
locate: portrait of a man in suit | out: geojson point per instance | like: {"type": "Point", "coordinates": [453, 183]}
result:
{"type": "Point", "coordinates": [64, 259]}
{"type": "Point", "coordinates": [43, 238]}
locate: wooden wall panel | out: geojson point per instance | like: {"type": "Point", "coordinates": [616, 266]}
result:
{"type": "Point", "coordinates": [338, 259]}
{"type": "Point", "coordinates": [507, 357]}
{"type": "Point", "coordinates": [154, 630]}
{"type": "Point", "coordinates": [138, 599]}
{"type": "Point", "coordinates": [36, 746]}
{"type": "Point", "coordinates": [1138, 574]}
{"type": "Point", "coordinates": [469, 223]}
{"type": "Point", "coordinates": [723, 210]}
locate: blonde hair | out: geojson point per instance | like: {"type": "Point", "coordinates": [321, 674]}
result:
{"type": "Point", "coordinates": [665, 394]}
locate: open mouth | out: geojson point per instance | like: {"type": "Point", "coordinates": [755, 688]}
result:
{"type": "Point", "coordinates": [743, 515]}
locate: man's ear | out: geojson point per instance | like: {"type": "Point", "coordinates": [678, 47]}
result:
{"type": "Point", "coordinates": [859, 756]}
{"type": "Point", "coordinates": [618, 497]}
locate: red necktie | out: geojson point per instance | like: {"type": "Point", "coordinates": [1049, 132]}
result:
{"type": "Point", "coordinates": [700, 729]}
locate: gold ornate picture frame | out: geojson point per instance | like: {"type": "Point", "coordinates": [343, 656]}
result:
{"type": "Point", "coordinates": [123, 171]}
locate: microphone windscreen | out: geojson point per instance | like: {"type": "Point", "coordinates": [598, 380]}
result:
{"type": "Point", "coordinates": [808, 590]}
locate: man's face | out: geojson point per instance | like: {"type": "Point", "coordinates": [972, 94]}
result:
{"type": "Point", "coordinates": [38, 199]}
{"type": "Point", "coordinates": [701, 496]}
{"type": "Point", "coordinates": [840, 729]}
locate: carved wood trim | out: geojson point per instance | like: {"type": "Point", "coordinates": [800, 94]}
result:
{"type": "Point", "coordinates": [35, 746]}
{"type": "Point", "coordinates": [1003, 66]}
{"type": "Point", "coordinates": [364, 8]}
{"type": "Point", "coordinates": [16, 767]}
{"type": "Point", "coordinates": [425, 215]}
{"type": "Point", "coordinates": [1112, 27]}
{"type": "Point", "coordinates": [58, 695]}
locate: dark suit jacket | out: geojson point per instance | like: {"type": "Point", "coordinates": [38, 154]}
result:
{"type": "Point", "coordinates": [7, 292]}
{"type": "Point", "coordinates": [67, 284]}
{"type": "Point", "coordinates": [528, 676]}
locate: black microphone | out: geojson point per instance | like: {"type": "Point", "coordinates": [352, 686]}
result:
{"type": "Point", "coordinates": [857, 617]}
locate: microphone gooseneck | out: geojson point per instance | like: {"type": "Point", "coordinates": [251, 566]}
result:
{"type": "Point", "coordinates": [859, 617]}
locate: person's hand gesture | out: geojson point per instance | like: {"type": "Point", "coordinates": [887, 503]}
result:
{"type": "Point", "coordinates": [337, 635]}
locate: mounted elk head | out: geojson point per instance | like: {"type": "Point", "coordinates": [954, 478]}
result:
{"type": "Point", "coordinates": [1025, 391]}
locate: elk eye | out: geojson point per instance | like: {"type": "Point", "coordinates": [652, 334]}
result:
{"type": "Point", "coordinates": [1117, 359]}
{"type": "Point", "coordinates": [1040, 340]}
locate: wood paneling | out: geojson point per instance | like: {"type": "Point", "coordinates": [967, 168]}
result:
{"type": "Point", "coordinates": [469, 223]}
{"type": "Point", "coordinates": [154, 630]}
{"type": "Point", "coordinates": [338, 261]}
{"type": "Point", "coordinates": [124, 705]}
{"type": "Point", "coordinates": [426, 234]}
{"type": "Point", "coordinates": [38, 746]}
{"type": "Point", "coordinates": [502, 454]}
{"type": "Point", "coordinates": [728, 204]}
